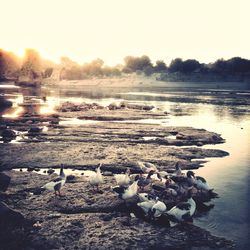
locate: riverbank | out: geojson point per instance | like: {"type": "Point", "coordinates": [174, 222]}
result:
{"type": "Point", "coordinates": [86, 219]}
{"type": "Point", "coordinates": [81, 137]}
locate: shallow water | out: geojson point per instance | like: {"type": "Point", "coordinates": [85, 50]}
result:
{"type": "Point", "coordinates": [229, 176]}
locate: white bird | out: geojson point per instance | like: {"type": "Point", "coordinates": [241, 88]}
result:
{"type": "Point", "coordinates": [158, 208]}
{"type": "Point", "coordinates": [123, 179]}
{"type": "Point", "coordinates": [146, 206]}
{"type": "Point", "coordinates": [57, 183]}
{"type": "Point", "coordinates": [182, 211]}
{"type": "Point", "coordinates": [146, 167]}
{"type": "Point", "coordinates": [96, 179]}
{"type": "Point", "coordinates": [145, 197]}
{"type": "Point", "coordinates": [126, 193]}
{"type": "Point", "coordinates": [200, 183]}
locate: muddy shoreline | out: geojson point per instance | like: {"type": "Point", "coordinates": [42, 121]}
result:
{"type": "Point", "coordinates": [85, 220]}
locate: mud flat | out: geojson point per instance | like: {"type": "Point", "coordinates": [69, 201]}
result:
{"type": "Point", "coordinates": [116, 138]}
{"type": "Point", "coordinates": [83, 219]}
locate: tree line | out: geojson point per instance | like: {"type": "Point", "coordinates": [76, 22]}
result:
{"type": "Point", "coordinates": [32, 65]}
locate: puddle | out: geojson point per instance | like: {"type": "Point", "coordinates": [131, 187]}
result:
{"type": "Point", "coordinates": [75, 121]}
{"type": "Point", "coordinates": [173, 137]}
{"type": "Point", "coordinates": [148, 138]}
{"type": "Point", "coordinates": [67, 171]}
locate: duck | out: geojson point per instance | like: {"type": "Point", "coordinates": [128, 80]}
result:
{"type": "Point", "coordinates": [178, 170]}
{"type": "Point", "coordinates": [56, 184]}
{"type": "Point", "coordinates": [126, 192]}
{"type": "Point", "coordinates": [145, 197]}
{"type": "Point", "coordinates": [96, 179]}
{"type": "Point", "coordinates": [188, 178]}
{"type": "Point", "coordinates": [144, 181]}
{"type": "Point", "coordinates": [158, 208]}
{"type": "Point", "coordinates": [146, 206]}
{"type": "Point", "coordinates": [123, 179]}
{"type": "Point", "coordinates": [146, 167]}
{"type": "Point", "coordinates": [200, 183]}
{"type": "Point", "coordinates": [183, 211]}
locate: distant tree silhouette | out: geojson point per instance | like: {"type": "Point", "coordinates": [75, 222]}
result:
{"type": "Point", "coordinates": [9, 64]}
{"type": "Point", "coordinates": [188, 66]}
{"type": "Point", "coordinates": [176, 65]}
{"type": "Point", "coordinates": [233, 66]}
{"type": "Point", "coordinates": [31, 64]}
{"type": "Point", "coordinates": [160, 66]}
{"type": "Point", "coordinates": [133, 64]}
{"type": "Point", "coordinates": [48, 72]}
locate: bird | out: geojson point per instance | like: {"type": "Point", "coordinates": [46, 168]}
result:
{"type": "Point", "coordinates": [145, 197]}
{"type": "Point", "coordinates": [158, 208]}
{"type": "Point", "coordinates": [183, 179]}
{"type": "Point", "coordinates": [177, 171]}
{"type": "Point", "coordinates": [200, 183]}
{"type": "Point", "coordinates": [96, 179]}
{"type": "Point", "coordinates": [183, 211]}
{"type": "Point", "coordinates": [146, 167]}
{"type": "Point", "coordinates": [144, 181]}
{"type": "Point", "coordinates": [56, 184]}
{"type": "Point", "coordinates": [123, 179]}
{"type": "Point", "coordinates": [126, 192]}
{"type": "Point", "coordinates": [146, 206]}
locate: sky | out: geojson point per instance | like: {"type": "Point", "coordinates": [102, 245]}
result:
{"type": "Point", "coordinates": [83, 30]}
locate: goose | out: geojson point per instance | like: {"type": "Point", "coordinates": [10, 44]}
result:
{"type": "Point", "coordinates": [126, 193]}
{"type": "Point", "coordinates": [200, 183]}
{"type": "Point", "coordinates": [183, 211]}
{"type": "Point", "coordinates": [123, 179]}
{"type": "Point", "coordinates": [56, 184]}
{"type": "Point", "coordinates": [158, 208]}
{"type": "Point", "coordinates": [96, 178]}
{"type": "Point", "coordinates": [146, 167]}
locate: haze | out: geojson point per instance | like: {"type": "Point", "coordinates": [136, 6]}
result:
{"type": "Point", "coordinates": [113, 29]}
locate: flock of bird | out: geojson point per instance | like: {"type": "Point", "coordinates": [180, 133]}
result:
{"type": "Point", "coordinates": [157, 193]}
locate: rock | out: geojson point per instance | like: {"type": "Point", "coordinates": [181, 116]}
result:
{"type": "Point", "coordinates": [53, 216]}
{"type": "Point", "coordinates": [4, 182]}
{"type": "Point", "coordinates": [54, 121]}
{"type": "Point", "coordinates": [9, 216]}
{"type": "Point", "coordinates": [72, 107]}
{"type": "Point", "coordinates": [35, 130]}
{"type": "Point", "coordinates": [35, 191]}
{"type": "Point", "coordinates": [8, 133]}
{"type": "Point", "coordinates": [51, 171]}
{"type": "Point", "coordinates": [107, 173]}
{"type": "Point", "coordinates": [106, 217]}
{"type": "Point", "coordinates": [3, 126]}
{"type": "Point", "coordinates": [5, 103]}
{"type": "Point", "coordinates": [200, 144]}
{"type": "Point", "coordinates": [113, 106]}
{"type": "Point", "coordinates": [70, 178]}
{"type": "Point", "coordinates": [55, 115]}
{"type": "Point", "coordinates": [30, 169]}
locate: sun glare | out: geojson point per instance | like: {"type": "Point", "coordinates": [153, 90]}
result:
{"type": "Point", "coordinates": [111, 30]}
